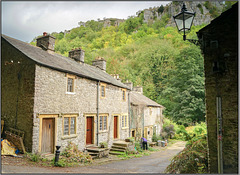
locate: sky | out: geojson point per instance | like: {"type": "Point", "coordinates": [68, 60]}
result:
{"type": "Point", "coordinates": [24, 20]}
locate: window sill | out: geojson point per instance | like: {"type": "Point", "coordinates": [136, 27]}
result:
{"type": "Point", "coordinates": [104, 131]}
{"type": "Point", "coordinates": [70, 92]}
{"type": "Point", "coordinates": [69, 136]}
{"type": "Point", "coordinates": [124, 127]}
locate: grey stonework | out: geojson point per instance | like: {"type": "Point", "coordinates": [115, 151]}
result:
{"type": "Point", "coordinates": [51, 98]}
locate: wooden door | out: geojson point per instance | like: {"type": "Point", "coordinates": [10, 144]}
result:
{"type": "Point", "coordinates": [115, 127]}
{"type": "Point", "coordinates": [48, 127]}
{"type": "Point", "coordinates": [89, 137]}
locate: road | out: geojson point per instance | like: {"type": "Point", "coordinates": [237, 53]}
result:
{"type": "Point", "coordinates": [154, 163]}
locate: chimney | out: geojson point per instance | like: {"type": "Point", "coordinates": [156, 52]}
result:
{"type": "Point", "coordinates": [77, 54]}
{"type": "Point", "coordinates": [129, 84]}
{"type": "Point", "coordinates": [46, 42]}
{"type": "Point", "coordinates": [100, 63]}
{"type": "Point", "coordinates": [138, 89]}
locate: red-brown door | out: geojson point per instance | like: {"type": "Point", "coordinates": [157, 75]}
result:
{"type": "Point", "coordinates": [48, 127]}
{"type": "Point", "coordinates": [115, 127]}
{"type": "Point", "coordinates": [89, 139]}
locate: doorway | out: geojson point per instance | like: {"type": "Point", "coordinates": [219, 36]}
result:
{"type": "Point", "coordinates": [115, 128]}
{"type": "Point", "coordinates": [89, 131]}
{"type": "Point", "coordinates": [48, 128]}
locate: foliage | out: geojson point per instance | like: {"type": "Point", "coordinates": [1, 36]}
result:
{"type": "Point", "coordinates": [150, 55]}
{"type": "Point", "coordinates": [228, 5]}
{"type": "Point", "coordinates": [155, 138]}
{"type": "Point", "coordinates": [103, 144]}
{"type": "Point", "coordinates": [192, 160]}
{"type": "Point", "coordinates": [138, 147]}
{"type": "Point", "coordinates": [213, 10]}
{"type": "Point", "coordinates": [200, 8]}
{"type": "Point", "coordinates": [34, 157]}
{"type": "Point", "coordinates": [72, 154]}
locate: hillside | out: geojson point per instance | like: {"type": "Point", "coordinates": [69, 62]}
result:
{"type": "Point", "coordinates": [148, 51]}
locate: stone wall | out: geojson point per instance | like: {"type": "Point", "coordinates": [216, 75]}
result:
{"type": "Point", "coordinates": [51, 98]}
{"type": "Point", "coordinates": [141, 115]}
{"type": "Point", "coordinates": [220, 44]}
{"type": "Point", "coordinates": [17, 84]}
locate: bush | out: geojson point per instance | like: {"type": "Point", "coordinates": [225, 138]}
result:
{"type": "Point", "coordinates": [34, 157]}
{"type": "Point", "coordinates": [138, 146]}
{"type": "Point", "coordinates": [192, 160]}
{"type": "Point", "coordinates": [103, 145]}
{"type": "Point", "coordinates": [72, 154]}
{"type": "Point", "coordinates": [155, 138]}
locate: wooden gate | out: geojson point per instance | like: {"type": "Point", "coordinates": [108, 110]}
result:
{"type": "Point", "coordinates": [48, 127]}
{"type": "Point", "coordinates": [89, 137]}
{"type": "Point", "coordinates": [115, 127]}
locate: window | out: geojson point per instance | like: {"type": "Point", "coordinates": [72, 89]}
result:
{"type": "Point", "coordinates": [150, 110]}
{"type": "Point", "coordinates": [102, 90]}
{"type": "Point", "coordinates": [103, 122]}
{"type": "Point", "coordinates": [69, 126]}
{"type": "Point", "coordinates": [70, 83]}
{"type": "Point", "coordinates": [124, 121]}
{"type": "Point", "coordinates": [124, 94]}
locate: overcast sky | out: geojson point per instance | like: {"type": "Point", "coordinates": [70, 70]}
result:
{"type": "Point", "coordinates": [25, 20]}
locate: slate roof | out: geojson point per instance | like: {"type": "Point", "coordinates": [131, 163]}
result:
{"type": "Point", "coordinates": [61, 63]}
{"type": "Point", "coordinates": [140, 99]}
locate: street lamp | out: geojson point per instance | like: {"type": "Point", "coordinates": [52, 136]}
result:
{"type": "Point", "coordinates": [184, 22]}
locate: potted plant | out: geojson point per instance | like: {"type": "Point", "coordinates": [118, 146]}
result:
{"type": "Point", "coordinates": [103, 145]}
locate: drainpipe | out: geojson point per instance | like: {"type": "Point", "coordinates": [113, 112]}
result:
{"type": "Point", "coordinates": [219, 133]}
{"type": "Point", "coordinates": [143, 121]}
{"type": "Point", "coordinates": [98, 83]}
{"type": "Point", "coordinates": [129, 114]}
{"type": "Point", "coordinates": [19, 78]}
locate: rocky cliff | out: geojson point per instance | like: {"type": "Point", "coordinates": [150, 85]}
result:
{"type": "Point", "coordinates": [205, 11]}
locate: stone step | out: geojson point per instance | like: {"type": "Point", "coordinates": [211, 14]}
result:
{"type": "Point", "coordinates": [119, 147]}
{"type": "Point", "coordinates": [94, 149]}
{"type": "Point", "coordinates": [116, 153]}
{"type": "Point", "coordinates": [120, 150]}
{"type": "Point", "coordinates": [121, 144]}
{"type": "Point", "coordinates": [93, 153]}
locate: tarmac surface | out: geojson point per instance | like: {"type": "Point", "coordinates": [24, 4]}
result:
{"type": "Point", "coordinates": [154, 163]}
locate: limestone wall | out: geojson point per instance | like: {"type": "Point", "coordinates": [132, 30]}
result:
{"type": "Point", "coordinates": [51, 98]}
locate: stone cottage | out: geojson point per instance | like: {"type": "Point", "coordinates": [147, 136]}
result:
{"type": "Point", "coordinates": [219, 44]}
{"type": "Point", "coordinates": [146, 115]}
{"type": "Point", "coordinates": [56, 99]}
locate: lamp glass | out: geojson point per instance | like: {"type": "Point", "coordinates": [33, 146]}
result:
{"type": "Point", "coordinates": [184, 17]}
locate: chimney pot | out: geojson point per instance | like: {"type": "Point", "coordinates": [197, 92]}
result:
{"type": "Point", "coordinates": [46, 42]}
{"type": "Point", "coordinates": [100, 63]}
{"type": "Point", "coordinates": [77, 55]}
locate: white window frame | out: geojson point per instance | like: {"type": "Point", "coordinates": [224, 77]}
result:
{"type": "Point", "coordinates": [69, 125]}
{"type": "Point", "coordinates": [124, 121]}
{"type": "Point", "coordinates": [103, 126]}
{"type": "Point", "coordinates": [73, 77]}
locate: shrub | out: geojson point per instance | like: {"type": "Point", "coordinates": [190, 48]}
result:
{"type": "Point", "coordinates": [138, 146]}
{"type": "Point", "coordinates": [155, 138]}
{"type": "Point", "coordinates": [34, 157]}
{"type": "Point", "coordinates": [72, 154]}
{"type": "Point", "coordinates": [103, 144]}
{"type": "Point", "coordinates": [192, 160]}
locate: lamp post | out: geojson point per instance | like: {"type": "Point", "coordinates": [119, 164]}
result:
{"type": "Point", "coordinates": [184, 22]}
